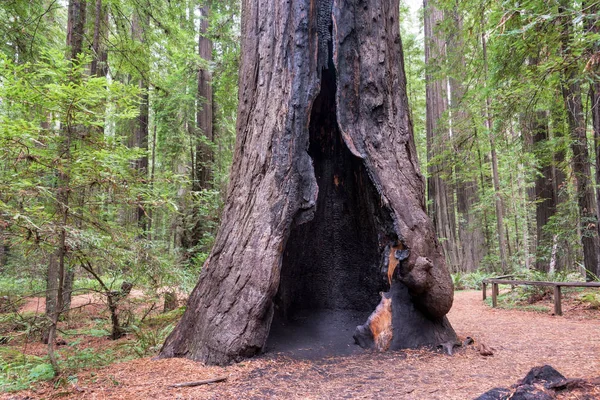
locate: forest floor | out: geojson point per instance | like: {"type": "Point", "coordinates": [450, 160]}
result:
{"type": "Point", "coordinates": [520, 339]}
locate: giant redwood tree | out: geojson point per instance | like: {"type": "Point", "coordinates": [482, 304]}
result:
{"type": "Point", "coordinates": [325, 208]}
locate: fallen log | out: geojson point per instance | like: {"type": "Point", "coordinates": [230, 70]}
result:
{"type": "Point", "coordinates": [545, 383]}
{"type": "Point", "coordinates": [198, 383]}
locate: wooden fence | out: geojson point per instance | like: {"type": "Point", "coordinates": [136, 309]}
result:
{"type": "Point", "coordinates": [556, 285]}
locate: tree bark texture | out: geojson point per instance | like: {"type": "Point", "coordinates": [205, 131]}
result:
{"type": "Point", "coordinates": [76, 27]}
{"type": "Point", "coordinates": [588, 212]}
{"type": "Point", "coordinates": [581, 168]}
{"type": "Point", "coordinates": [593, 67]}
{"type": "Point", "coordinates": [439, 190]}
{"type": "Point", "coordinates": [140, 132]}
{"type": "Point", "coordinates": [494, 161]}
{"type": "Point", "coordinates": [324, 140]}
{"type": "Point", "coordinates": [535, 125]}
{"type": "Point", "coordinates": [204, 113]}
{"type": "Point", "coordinates": [99, 65]}
{"type": "Point", "coordinates": [203, 158]}
{"type": "Point", "coordinates": [4, 251]}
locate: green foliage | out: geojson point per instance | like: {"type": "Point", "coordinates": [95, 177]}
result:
{"type": "Point", "coordinates": [151, 333]}
{"type": "Point", "coordinates": [94, 164]}
{"type": "Point", "coordinates": [412, 46]}
{"type": "Point", "coordinates": [527, 58]}
{"type": "Point", "coordinates": [469, 280]}
{"type": "Point", "coordinates": [88, 357]}
{"type": "Point", "coordinates": [19, 371]}
{"type": "Point", "coordinates": [592, 299]}
{"type": "Point", "coordinates": [49, 102]}
{"type": "Point", "coordinates": [14, 287]}
{"type": "Point", "coordinates": [41, 372]}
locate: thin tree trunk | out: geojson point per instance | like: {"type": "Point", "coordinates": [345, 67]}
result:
{"type": "Point", "coordinates": [99, 65]}
{"type": "Point", "coordinates": [494, 161]}
{"type": "Point", "coordinates": [595, 100]}
{"type": "Point", "coordinates": [204, 113]}
{"type": "Point", "coordinates": [439, 189]}
{"type": "Point", "coordinates": [57, 266]}
{"type": "Point", "coordinates": [140, 132]}
{"type": "Point", "coordinates": [4, 249]}
{"type": "Point", "coordinates": [487, 234]}
{"type": "Point", "coordinates": [563, 259]}
{"type": "Point", "coordinates": [151, 235]}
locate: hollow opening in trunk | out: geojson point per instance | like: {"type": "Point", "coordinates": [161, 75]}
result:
{"type": "Point", "coordinates": [331, 272]}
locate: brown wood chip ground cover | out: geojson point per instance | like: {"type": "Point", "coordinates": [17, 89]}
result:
{"type": "Point", "coordinates": [521, 340]}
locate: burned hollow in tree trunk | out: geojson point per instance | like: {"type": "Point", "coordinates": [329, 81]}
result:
{"type": "Point", "coordinates": [331, 269]}
{"type": "Point", "coordinates": [325, 206]}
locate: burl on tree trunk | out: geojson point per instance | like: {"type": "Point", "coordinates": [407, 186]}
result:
{"type": "Point", "coordinates": [325, 208]}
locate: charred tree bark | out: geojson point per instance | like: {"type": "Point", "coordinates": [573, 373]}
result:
{"type": "Point", "coordinates": [295, 152]}
{"type": "Point", "coordinates": [440, 192]}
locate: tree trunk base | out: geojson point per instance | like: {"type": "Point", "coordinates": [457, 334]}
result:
{"type": "Point", "coordinates": [325, 208]}
{"type": "Point", "coordinates": [396, 324]}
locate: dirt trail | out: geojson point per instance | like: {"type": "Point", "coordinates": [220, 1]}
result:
{"type": "Point", "coordinates": [94, 300]}
{"type": "Point", "coordinates": [521, 340]}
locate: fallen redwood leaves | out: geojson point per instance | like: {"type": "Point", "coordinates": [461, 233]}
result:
{"type": "Point", "coordinates": [521, 341]}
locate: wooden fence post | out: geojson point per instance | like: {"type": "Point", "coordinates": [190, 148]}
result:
{"type": "Point", "coordinates": [557, 299]}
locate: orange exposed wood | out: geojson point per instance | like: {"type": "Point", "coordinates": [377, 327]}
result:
{"type": "Point", "coordinates": [380, 323]}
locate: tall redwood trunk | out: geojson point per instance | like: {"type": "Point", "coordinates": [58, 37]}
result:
{"type": "Point", "coordinates": [325, 205]}
{"type": "Point", "coordinates": [565, 254]}
{"type": "Point", "coordinates": [535, 126]}
{"type": "Point", "coordinates": [202, 168]}
{"type": "Point", "coordinates": [440, 191]}
{"type": "Point", "coordinates": [99, 65]}
{"type": "Point", "coordinates": [494, 160]}
{"type": "Point", "coordinates": [588, 212]}
{"type": "Point", "coordinates": [594, 68]}
{"type": "Point", "coordinates": [140, 131]}
{"type": "Point", "coordinates": [204, 113]}
{"type": "Point", "coordinates": [471, 236]}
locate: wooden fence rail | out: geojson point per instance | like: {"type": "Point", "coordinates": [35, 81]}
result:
{"type": "Point", "coordinates": [556, 285]}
